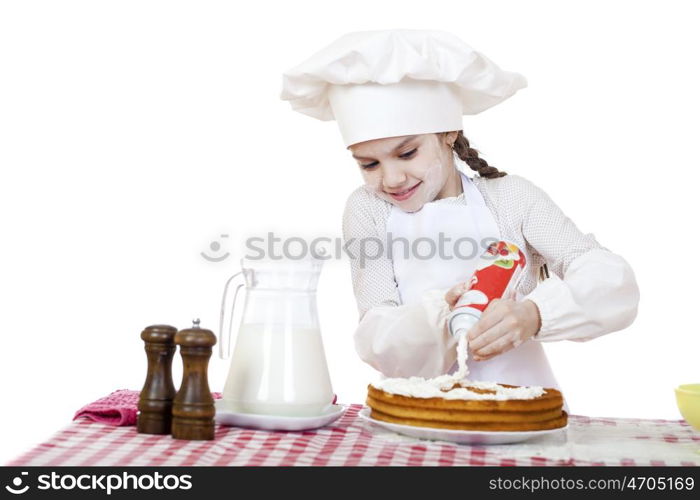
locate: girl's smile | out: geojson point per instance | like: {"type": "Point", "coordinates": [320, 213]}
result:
{"type": "Point", "coordinates": [405, 194]}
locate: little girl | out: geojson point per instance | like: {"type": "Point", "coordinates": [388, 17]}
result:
{"type": "Point", "coordinates": [418, 225]}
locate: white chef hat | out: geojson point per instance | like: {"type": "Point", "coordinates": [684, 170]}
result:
{"type": "Point", "coordinates": [389, 83]}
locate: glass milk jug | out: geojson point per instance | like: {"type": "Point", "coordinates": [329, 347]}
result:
{"type": "Point", "coordinates": [278, 365]}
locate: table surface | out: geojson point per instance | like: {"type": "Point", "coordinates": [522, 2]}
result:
{"type": "Point", "coordinates": [353, 441]}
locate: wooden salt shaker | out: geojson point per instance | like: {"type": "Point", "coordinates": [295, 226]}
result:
{"type": "Point", "coordinates": [193, 406]}
{"type": "Point", "coordinates": [156, 398]}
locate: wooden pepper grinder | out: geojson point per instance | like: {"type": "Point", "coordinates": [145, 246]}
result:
{"type": "Point", "coordinates": [193, 406]}
{"type": "Point", "coordinates": [156, 398]}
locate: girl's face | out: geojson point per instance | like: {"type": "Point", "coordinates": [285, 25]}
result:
{"type": "Point", "coordinates": [409, 171]}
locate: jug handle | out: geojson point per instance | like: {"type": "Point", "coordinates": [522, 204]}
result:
{"type": "Point", "coordinates": [225, 340]}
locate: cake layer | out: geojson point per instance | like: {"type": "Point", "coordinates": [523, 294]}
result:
{"type": "Point", "coordinates": [462, 415]}
{"type": "Point", "coordinates": [536, 413]}
{"type": "Point", "coordinates": [551, 399]}
{"type": "Point", "coordinates": [554, 423]}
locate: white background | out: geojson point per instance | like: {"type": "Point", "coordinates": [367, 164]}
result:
{"type": "Point", "coordinates": [134, 133]}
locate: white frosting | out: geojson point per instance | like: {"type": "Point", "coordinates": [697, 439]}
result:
{"type": "Point", "coordinates": [443, 385]}
{"type": "Point", "coordinates": [462, 370]}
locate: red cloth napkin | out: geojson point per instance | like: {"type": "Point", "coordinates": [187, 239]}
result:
{"type": "Point", "coordinates": [120, 408]}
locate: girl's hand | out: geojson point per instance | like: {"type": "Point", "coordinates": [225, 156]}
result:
{"type": "Point", "coordinates": [504, 325]}
{"type": "Point", "coordinates": [454, 293]}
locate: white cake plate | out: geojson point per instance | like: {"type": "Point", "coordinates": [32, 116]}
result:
{"type": "Point", "coordinates": [457, 436]}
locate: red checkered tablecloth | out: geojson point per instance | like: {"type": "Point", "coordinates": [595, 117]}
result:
{"type": "Point", "coordinates": [352, 441]}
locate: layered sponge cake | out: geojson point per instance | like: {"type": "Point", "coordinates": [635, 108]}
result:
{"type": "Point", "coordinates": [466, 405]}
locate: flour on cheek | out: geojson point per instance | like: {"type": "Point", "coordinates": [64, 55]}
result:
{"type": "Point", "coordinates": [433, 180]}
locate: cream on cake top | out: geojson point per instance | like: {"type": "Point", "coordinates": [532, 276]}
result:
{"type": "Point", "coordinates": [443, 385]}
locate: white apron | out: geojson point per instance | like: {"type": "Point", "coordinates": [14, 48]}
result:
{"type": "Point", "coordinates": [526, 364]}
